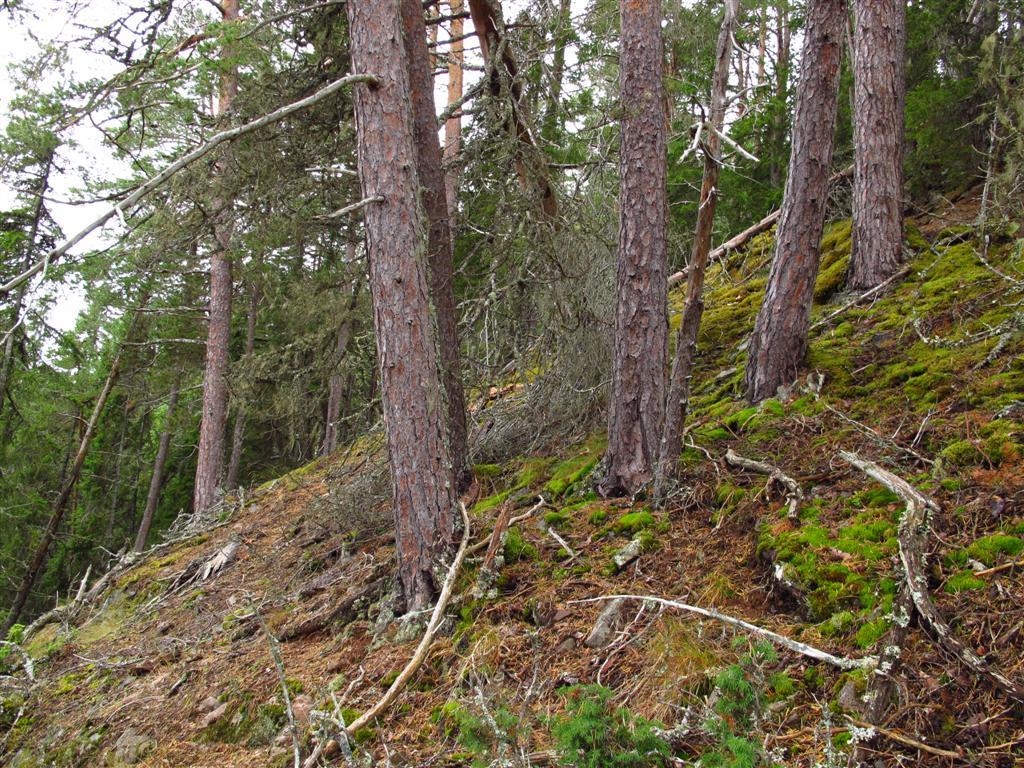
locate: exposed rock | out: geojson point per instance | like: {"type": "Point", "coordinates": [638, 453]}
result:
{"type": "Point", "coordinates": [301, 707]}
{"type": "Point", "coordinates": [628, 553]}
{"type": "Point", "coordinates": [209, 704]}
{"type": "Point", "coordinates": [215, 715]}
{"type": "Point", "coordinates": [132, 747]}
{"type": "Point", "coordinates": [607, 622]}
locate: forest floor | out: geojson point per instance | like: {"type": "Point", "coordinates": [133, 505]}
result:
{"type": "Point", "coordinates": [170, 668]}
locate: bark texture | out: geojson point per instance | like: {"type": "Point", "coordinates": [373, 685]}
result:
{"type": "Point", "coordinates": [238, 434]}
{"type": "Point", "coordinates": [213, 425]}
{"type": "Point", "coordinates": [335, 388]}
{"type": "Point", "coordinates": [439, 236]}
{"type": "Point", "coordinates": [677, 402]}
{"type": "Point", "coordinates": [637, 407]}
{"type": "Point", "coordinates": [453, 125]}
{"type": "Point", "coordinates": [408, 360]}
{"type": "Point", "coordinates": [879, 92]}
{"type": "Point", "coordinates": [156, 480]}
{"type": "Point", "coordinates": [779, 341]}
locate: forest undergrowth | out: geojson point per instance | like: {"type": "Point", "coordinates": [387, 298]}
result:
{"type": "Point", "coordinates": [925, 379]}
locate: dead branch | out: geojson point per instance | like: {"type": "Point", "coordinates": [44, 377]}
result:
{"type": "Point", "coordinates": [827, 320]}
{"type": "Point", "coordinates": [1000, 568]}
{"type": "Point", "coordinates": [428, 636]}
{"type": "Point", "coordinates": [738, 241]}
{"type": "Point", "coordinates": [913, 532]}
{"type": "Point", "coordinates": [793, 645]}
{"type": "Point", "coordinates": [906, 741]}
{"type": "Point", "coordinates": [275, 652]}
{"type": "Point", "coordinates": [794, 496]}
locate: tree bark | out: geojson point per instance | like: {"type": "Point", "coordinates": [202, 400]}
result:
{"type": "Point", "coordinates": [561, 35]}
{"type": "Point", "coordinates": [879, 91]}
{"type": "Point", "coordinates": [779, 341]}
{"type": "Point", "coordinates": [238, 434]}
{"type": "Point", "coordinates": [503, 82]}
{"type": "Point", "coordinates": [453, 125]}
{"type": "Point", "coordinates": [408, 360]}
{"type": "Point", "coordinates": [678, 398]}
{"type": "Point", "coordinates": [637, 408]}
{"type": "Point", "coordinates": [212, 427]}
{"type": "Point", "coordinates": [159, 464]}
{"type": "Point", "coordinates": [439, 237]}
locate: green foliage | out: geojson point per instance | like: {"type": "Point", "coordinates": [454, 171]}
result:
{"type": "Point", "coordinates": [989, 549]}
{"type": "Point", "coordinates": [594, 733]}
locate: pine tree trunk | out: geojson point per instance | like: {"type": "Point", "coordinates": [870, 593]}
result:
{"type": "Point", "coordinates": [779, 341]}
{"type": "Point", "coordinates": [782, 67]}
{"type": "Point", "coordinates": [560, 41]}
{"type": "Point", "coordinates": [439, 236]}
{"type": "Point", "coordinates": [879, 90]}
{"type": "Point", "coordinates": [159, 464]}
{"type": "Point", "coordinates": [238, 434]}
{"type": "Point", "coordinates": [637, 407]}
{"type": "Point", "coordinates": [453, 125]}
{"type": "Point", "coordinates": [213, 424]}
{"type": "Point", "coordinates": [678, 399]}
{"type": "Point", "coordinates": [409, 363]}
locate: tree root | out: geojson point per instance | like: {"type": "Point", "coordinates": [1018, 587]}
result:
{"type": "Point", "coordinates": [913, 531]}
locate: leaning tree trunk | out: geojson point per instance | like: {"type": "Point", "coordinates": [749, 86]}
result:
{"type": "Point", "coordinates": [504, 82]}
{"type": "Point", "coordinates": [408, 359]}
{"type": "Point", "coordinates": [156, 481]}
{"type": "Point", "coordinates": [453, 125]}
{"type": "Point", "coordinates": [779, 341]}
{"type": "Point", "coordinates": [637, 407]}
{"type": "Point", "coordinates": [439, 236]}
{"type": "Point", "coordinates": [67, 489]}
{"type": "Point", "coordinates": [678, 399]}
{"type": "Point", "coordinates": [213, 424]}
{"type": "Point", "coordinates": [879, 89]}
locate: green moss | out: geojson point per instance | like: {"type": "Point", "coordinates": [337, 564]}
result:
{"type": "Point", "coordinates": [871, 632]}
{"type": "Point", "coordinates": [963, 582]}
{"type": "Point", "coordinates": [556, 518]}
{"type": "Point", "coordinates": [569, 473]}
{"type": "Point", "coordinates": [518, 548]}
{"type": "Point", "coordinates": [598, 516]}
{"type": "Point", "coordinates": [989, 549]}
{"type": "Point", "coordinates": [632, 522]}
{"type": "Point", "coordinates": [487, 470]}
{"type": "Point", "coordinates": [491, 502]}
{"type": "Point", "coordinates": [781, 686]}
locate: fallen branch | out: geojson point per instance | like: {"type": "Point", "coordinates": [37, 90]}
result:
{"type": "Point", "coordinates": [781, 640]}
{"type": "Point", "coordinates": [185, 160]}
{"type": "Point", "coordinates": [275, 652]}
{"type": "Point", "coordinates": [907, 741]}
{"type": "Point", "coordinates": [436, 619]}
{"type": "Point", "coordinates": [741, 239]}
{"type": "Point", "coordinates": [1000, 568]}
{"type": "Point", "coordinates": [795, 495]}
{"type": "Point", "coordinates": [863, 297]}
{"type": "Point", "coordinates": [562, 543]}
{"type": "Point", "coordinates": [913, 531]}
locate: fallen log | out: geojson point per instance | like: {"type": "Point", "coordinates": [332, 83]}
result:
{"type": "Point", "coordinates": [912, 534]}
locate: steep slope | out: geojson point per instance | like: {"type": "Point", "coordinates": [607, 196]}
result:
{"type": "Point", "coordinates": [172, 665]}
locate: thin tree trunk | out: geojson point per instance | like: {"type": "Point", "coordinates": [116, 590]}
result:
{"type": "Point", "coordinates": [782, 36]}
{"type": "Point", "coordinates": [334, 387]}
{"type": "Point", "coordinates": [116, 489]}
{"type": "Point", "coordinates": [779, 341]}
{"type": "Point", "coordinates": [560, 41]}
{"type": "Point", "coordinates": [67, 490]}
{"type": "Point", "coordinates": [637, 408]}
{"type": "Point", "coordinates": [412, 396]}
{"type": "Point", "coordinates": [238, 435]}
{"type": "Point", "coordinates": [531, 165]}
{"type": "Point", "coordinates": [678, 398]}
{"type": "Point", "coordinates": [439, 236]}
{"type": "Point", "coordinates": [453, 125]}
{"type": "Point", "coordinates": [879, 88]}
{"type": "Point", "coordinates": [156, 480]}
{"type": "Point", "coordinates": [210, 459]}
